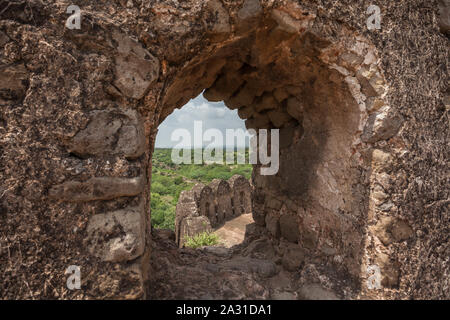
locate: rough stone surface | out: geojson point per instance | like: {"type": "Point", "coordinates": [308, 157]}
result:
{"type": "Point", "coordinates": [110, 132]}
{"type": "Point", "coordinates": [289, 227]}
{"type": "Point", "coordinates": [272, 224]}
{"type": "Point", "coordinates": [136, 68]}
{"type": "Point", "coordinates": [316, 292]}
{"type": "Point", "coordinates": [216, 18]}
{"type": "Point", "coordinates": [295, 108]}
{"type": "Point", "coordinates": [293, 258]}
{"type": "Point", "coordinates": [264, 268]}
{"type": "Point", "coordinates": [117, 236]}
{"type": "Point", "coordinates": [13, 82]}
{"type": "Point", "coordinates": [223, 199]}
{"type": "Point", "coordinates": [191, 226]}
{"type": "Point", "coordinates": [104, 188]}
{"type": "Point", "coordinates": [368, 96]}
{"type": "Point", "coordinates": [250, 9]}
{"type": "Point", "coordinates": [444, 16]}
{"type": "Point", "coordinates": [215, 202]}
{"type": "Point", "coordinates": [381, 126]}
{"type": "Point", "coordinates": [241, 189]}
{"type": "Point", "coordinates": [205, 200]}
{"type": "Point", "coordinates": [278, 117]}
{"type": "Point", "coordinates": [390, 230]}
{"type": "Point", "coordinates": [186, 206]}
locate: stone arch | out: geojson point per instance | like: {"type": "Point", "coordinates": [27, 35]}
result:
{"type": "Point", "coordinates": [325, 92]}
{"type": "Point", "coordinates": [241, 189]}
{"type": "Point", "coordinates": [223, 194]}
{"type": "Point", "coordinates": [204, 197]}
{"type": "Point", "coordinates": [189, 220]}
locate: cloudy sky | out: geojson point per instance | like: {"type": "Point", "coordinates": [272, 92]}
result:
{"type": "Point", "coordinates": [212, 114]}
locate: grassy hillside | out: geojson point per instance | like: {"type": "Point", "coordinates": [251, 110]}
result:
{"type": "Point", "coordinates": [169, 179]}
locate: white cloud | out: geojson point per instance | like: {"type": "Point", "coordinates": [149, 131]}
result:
{"type": "Point", "coordinates": [212, 114]}
{"type": "Point", "coordinates": [220, 113]}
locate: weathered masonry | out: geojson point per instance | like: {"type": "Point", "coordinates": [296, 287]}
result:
{"type": "Point", "coordinates": [363, 119]}
{"type": "Point", "coordinates": [207, 207]}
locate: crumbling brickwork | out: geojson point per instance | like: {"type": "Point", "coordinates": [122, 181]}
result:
{"type": "Point", "coordinates": [241, 195]}
{"type": "Point", "coordinates": [217, 202]}
{"type": "Point", "coordinates": [363, 119]}
{"type": "Point", "coordinates": [223, 199]}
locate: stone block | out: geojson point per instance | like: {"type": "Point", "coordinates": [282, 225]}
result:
{"type": "Point", "coordinates": [216, 18]}
{"type": "Point", "coordinates": [117, 236]}
{"type": "Point", "coordinates": [316, 292]}
{"type": "Point", "coordinates": [289, 228]}
{"type": "Point", "coordinates": [191, 226]}
{"type": "Point", "coordinates": [373, 104]}
{"type": "Point", "coordinates": [273, 203]}
{"type": "Point", "coordinates": [288, 23]}
{"type": "Point", "coordinates": [390, 272]}
{"type": "Point", "coordinates": [250, 9]}
{"type": "Point", "coordinates": [293, 258]}
{"type": "Point", "coordinates": [381, 125]}
{"type": "Point", "coordinates": [266, 102]}
{"type": "Point", "coordinates": [444, 16]}
{"type": "Point", "coordinates": [279, 117]}
{"type": "Point", "coordinates": [295, 108]}
{"type": "Point", "coordinates": [280, 94]}
{"type": "Point", "coordinates": [246, 112]}
{"type": "Point", "coordinates": [103, 188]}
{"type": "Point", "coordinates": [110, 132]}
{"type": "Point", "coordinates": [264, 268]}
{"type": "Point", "coordinates": [224, 87]}
{"type": "Point", "coordinates": [273, 225]}
{"type": "Point", "coordinates": [380, 159]}
{"type": "Point", "coordinates": [135, 69]}
{"type": "Point", "coordinates": [389, 230]}
{"type": "Point", "coordinates": [258, 121]}
{"type": "Point", "coordinates": [13, 82]}
{"type": "Point", "coordinates": [244, 97]}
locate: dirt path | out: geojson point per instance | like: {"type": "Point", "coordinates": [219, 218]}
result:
{"type": "Point", "coordinates": [233, 231]}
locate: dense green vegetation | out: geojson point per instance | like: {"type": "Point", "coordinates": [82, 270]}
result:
{"type": "Point", "coordinates": [169, 179]}
{"type": "Point", "coordinates": [202, 239]}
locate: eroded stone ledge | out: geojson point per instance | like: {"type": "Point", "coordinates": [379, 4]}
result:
{"type": "Point", "coordinates": [103, 188]}
{"type": "Point", "coordinates": [110, 132]}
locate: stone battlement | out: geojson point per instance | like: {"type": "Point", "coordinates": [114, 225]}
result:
{"type": "Point", "coordinates": [208, 206]}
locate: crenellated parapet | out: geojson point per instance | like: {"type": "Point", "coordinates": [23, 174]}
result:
{"type": "Point", "coordinates": [210, 206]}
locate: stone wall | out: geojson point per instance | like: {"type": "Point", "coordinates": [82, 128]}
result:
{"type": "Point", "coordinates": [217, 202]}
{"type": "Point", "coordinates": [223, 200]}
{"type": "Point", "coordinates": [362, 186]}
{"type": "Point", "coordinates": [241, 195]}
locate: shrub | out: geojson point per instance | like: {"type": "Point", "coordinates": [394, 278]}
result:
{"type": "Point", "coordinates": [202, 239]}
{"type": "Point", "coordinates": [158, 188]}
{"type": "Point", "coordinates": [178, 180]}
